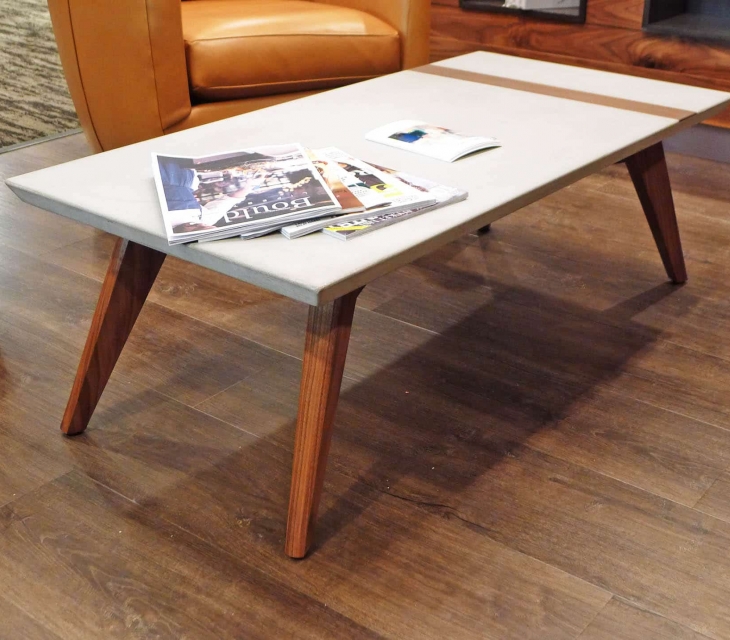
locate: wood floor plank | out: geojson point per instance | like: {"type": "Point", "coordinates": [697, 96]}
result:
{"type": "Point", "coordinates": [527, 420]}
{"type": "Point", "coordinates": [282, 330]}
{"type": "Point", "coordinates": [716, 500]}
{"type": "Point", "coordinates": [661, 452]}
{"type": "Point", "coordinates": [609, 214]}
{"type": "Point", "coordinates": [167, 351]}
{"type": "Point", "coordinates": [251, 313]}
{"type": "Point", "coordinates": [35, 371]}
{"type": "Point", "coordinates": [621, 620]}
{"type": "Point", "coordinates": [470, 465]}
{"type": "Point", "coordinates": [516, 262]}
{"type": "Point", "coordinates": [138, 449]}
{"type": "Point", "coordinates": [575, 346]}
{"type": "Point", "coordinates": [650, 551]}
{"type": "Point", "coordinates": [18, 624]}
{"type": "Point", "coordinates": [22, 559]}
{"type": "Point", "coordinates": [24, 467]}
{"type": "Point", "coordinates": [378, 556]}
{"type": "Point", "coordinates": [27, 228]}
{"type": "Point", "coordinates": [206, 295]}
{"type": "Point", "coordinates": [134, 576]}
{"type": "Point", "coordinates": [172, 439]}
{"type": "Point", "coordinates": [220, 495]}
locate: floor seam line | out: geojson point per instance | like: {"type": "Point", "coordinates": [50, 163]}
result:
{"type": "Point", "coordinates": [594, 618]}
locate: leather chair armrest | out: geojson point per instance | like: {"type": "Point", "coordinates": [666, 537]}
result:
{"type": "Point", "coordinates": [124, 61]}
{"type": "Point", "coordinates": [412, 19]}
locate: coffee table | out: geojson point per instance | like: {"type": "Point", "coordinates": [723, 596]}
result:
{"type": "Point", "coordinates": [557, 124]}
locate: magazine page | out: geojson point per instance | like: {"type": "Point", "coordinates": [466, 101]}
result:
{"type": "Point", "coordinates": [372, 187]}
{"type": "Point", "coordinates": [300, 229]}
{"type": "Point", "coordinates": [332, 174]}
{"type": "Point", "coordinates": [352, 226]}
{"type": "Point", "coordinates": [429, 140]}
{"type": "Point", "coordinates": [441, 195]}
{"type": "Point", "coordinates": [220, 195]}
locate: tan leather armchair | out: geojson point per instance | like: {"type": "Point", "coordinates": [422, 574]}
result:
{"type": "Point", "coordinates": [138, 69]}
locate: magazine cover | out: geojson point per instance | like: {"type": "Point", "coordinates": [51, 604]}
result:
{"type": "Point", "coordinates": [372, 187]}
{"type": "Point", "coordinates": [223, 195]}
{"type": "Point", "coordinates": [429, 140]}
{"type": "Point", "coordinates": [361, 226]}
{"type": "Point", "coordinates": [332, 175]}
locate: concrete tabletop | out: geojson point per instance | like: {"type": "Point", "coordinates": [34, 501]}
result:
{"type": "Point", "coordinates": [556, 124]}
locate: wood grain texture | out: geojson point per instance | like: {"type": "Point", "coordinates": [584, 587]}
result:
{"type": "Point", "coordinates": [15, 618]}
{"type": "Point", "coordinates": [611, 39]}
{"type": "Point", "coordinates": [621, 620]}
{"type": "Point", "coordinates": [23, 227]}
{"type": "Point", "coordinates": [628, 14]}
{"type": "Point", "coordinates": [648, 171]}
{"type": "Point", "coordinates": [716, 500]}
{"type": "Point", "coordinates": [129, 278]}
{"type": "Point", "coordinates": [325, 352]}
{"type": "Point", "coordinates": [627, 47]}
{"type": "Point", "coordinates": [141, 576]}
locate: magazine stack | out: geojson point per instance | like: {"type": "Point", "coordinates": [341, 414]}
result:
{"type": "Point", "coordinates": [244, 193]}
{"type": "Point", "coordinates": [431, 196]}
{"type": "Point", "coordinates": [295, 191]}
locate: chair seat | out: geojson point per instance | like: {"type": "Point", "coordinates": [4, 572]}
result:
{"type": "Point", "coordinates": [246, 48]}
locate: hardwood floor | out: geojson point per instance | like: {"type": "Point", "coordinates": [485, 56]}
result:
{"type": "Point", "coordinates": [533, 438]}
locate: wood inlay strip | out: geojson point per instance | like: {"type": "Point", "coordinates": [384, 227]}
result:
{"type": "Point", "coordinates": [556, 92]}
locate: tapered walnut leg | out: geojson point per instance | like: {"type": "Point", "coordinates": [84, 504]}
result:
{"type": "Point", "coordinates": [325, 350]}
{"type": "Point", "coordinates": [648, 170]}
{"type": "Point", "coordinates": [132, 271]}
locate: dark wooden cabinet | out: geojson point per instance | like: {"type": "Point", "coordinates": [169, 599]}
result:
{"type": "Point", "coordinates": [612, 38]}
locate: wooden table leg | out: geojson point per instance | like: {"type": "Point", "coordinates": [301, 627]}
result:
{"type": "Point", "coordinates": [132, 271]}
{"type": "Point", "coordinates": [648, 170]}
{"type": "Point", "coordinates": [325, 350]}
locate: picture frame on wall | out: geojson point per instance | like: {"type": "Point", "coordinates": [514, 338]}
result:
{"type": "Point", "coordinates": [560, 10]}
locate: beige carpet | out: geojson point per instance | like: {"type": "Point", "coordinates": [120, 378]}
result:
{"type": "Point", "coordinates": [34, 99]}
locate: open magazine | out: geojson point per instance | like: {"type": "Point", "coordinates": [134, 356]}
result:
{"type": "Point", "coordinates": [373, 187]}
{"type": "Point", "coordinates": [249, 192]}
{"type": "Point", "coordinates": [429, 140]}
{"type": "Point", "coordinates": [335, 178]}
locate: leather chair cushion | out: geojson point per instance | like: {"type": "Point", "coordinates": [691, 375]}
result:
{"type": "Point", "coordinates": [246, 48]}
